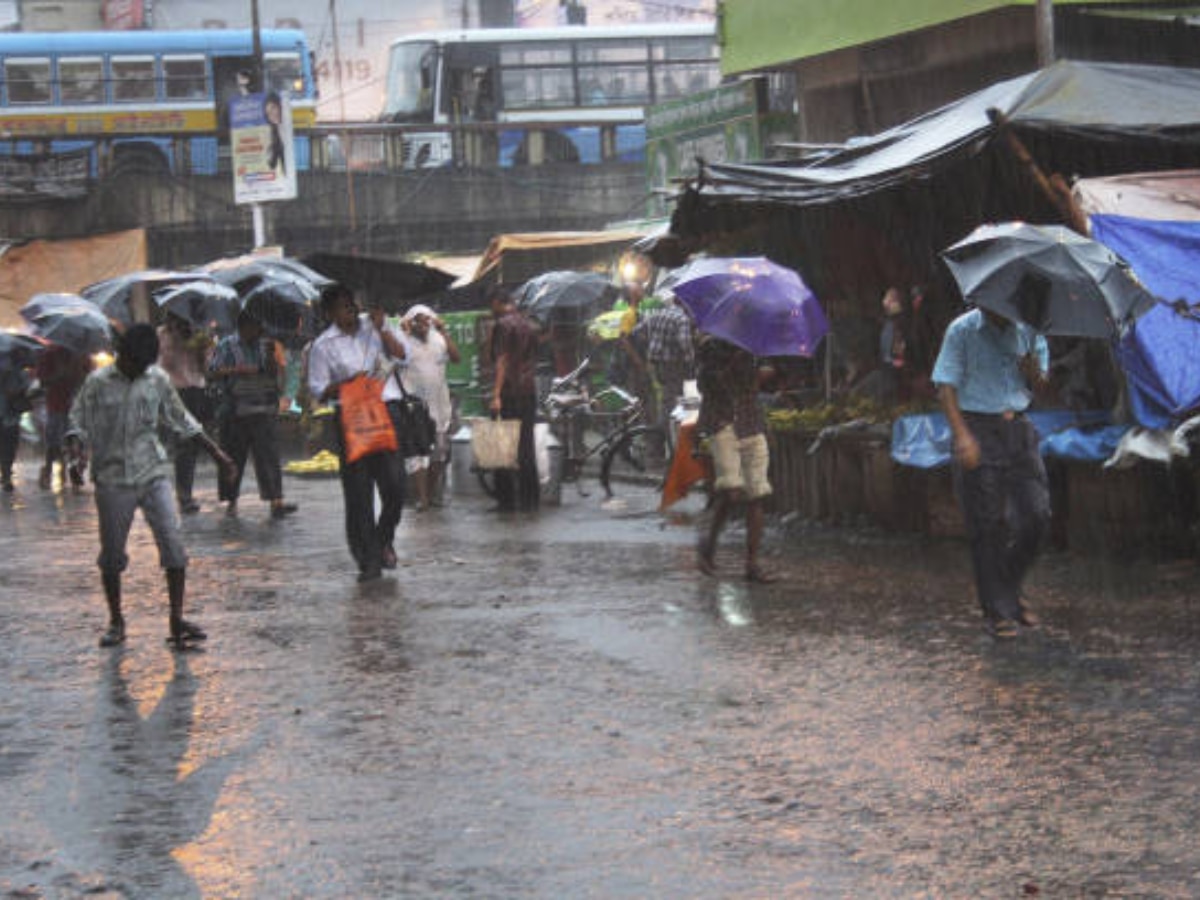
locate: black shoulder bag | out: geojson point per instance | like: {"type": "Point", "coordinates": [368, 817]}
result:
{"type": "Point", "coordinates": [415, 427]}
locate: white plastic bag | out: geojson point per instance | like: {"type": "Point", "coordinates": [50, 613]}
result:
{"type": "Point", "coordinates": [494, 442]}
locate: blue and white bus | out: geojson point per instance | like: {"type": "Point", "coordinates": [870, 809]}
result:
{"type": "Point", "coordinates": [150, 100]}
{"type": "Point", "coordinates": [601, 74]}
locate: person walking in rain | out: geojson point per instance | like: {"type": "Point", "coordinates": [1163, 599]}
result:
{"type": "Point", "coordinates": [116, 419]}
{"type": "Point", "coordinates": [183, 355]}
{"type": "Point", "coordinates": [729, 379]}
{"type": "Point", "coordinates": [61, 372]}
{"type": "Point", "coordinates": [428, 348]}
{"type": "Point", "coordinates": [514, 348]}
{"type": "Point", "coordinates": [350, 346]}
{"type": "Point", "coordinates": [245, 365]}
{"type": "Point", "coordinates": [15, 383]}
{"type": "Point", "coordinates": [986, 373]}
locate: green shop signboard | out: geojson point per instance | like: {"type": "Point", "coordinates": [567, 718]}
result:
{"type": "Point", "coordinates": [720, 125]}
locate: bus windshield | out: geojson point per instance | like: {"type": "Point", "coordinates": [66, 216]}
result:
{"type": "Point", "coordinates": [410, 82]}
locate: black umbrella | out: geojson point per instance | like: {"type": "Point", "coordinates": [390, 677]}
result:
{"type": "Point", "coordinates": [566, 297]}
{"type": "Point", "coordinates": [209, 305]}
{"type": "Point", "coordinates": [114, 294]}
{"type": "Point", "coordinates": [18, 350]}
{"type": "Point", "coordinates": [1048, 277]}
{"type": "Point", "coordinates": [285, 307]}
{"type": "Point", "coordinates": [82, 329]}
{"type": "Point", "coordinates": [394, 284]}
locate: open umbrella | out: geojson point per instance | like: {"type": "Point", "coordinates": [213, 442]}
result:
{"type": "Point", "coordinates": [566, 297]}
{"type": "Point", "coordinates": [393, 284]}
{"type": "Point", "coordinates": [205, 304]}
{"type": "Point", "coordinates": [1048, 277]}
{"type": "Point", "coordinates": [81, 329]}
{"type": "Point", "coordinates": [759, 305]}
{"type": "Point", "coordinates": [113, 295]}
{"type": "Point", "coordinates": [285, 309]}
{"type": "Point", "coordinates": [244, 272]}
{"type": "Point", "coordinates": [41, 303]}
{"type": "Point", "coordinates": [18, 350]}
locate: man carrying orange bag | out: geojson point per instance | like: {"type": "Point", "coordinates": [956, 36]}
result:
{"type": "Point", "coordinates": [350, 364]}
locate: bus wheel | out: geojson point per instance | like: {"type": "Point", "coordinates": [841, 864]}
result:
{"type": "Point", "coordinates": [139, 161]}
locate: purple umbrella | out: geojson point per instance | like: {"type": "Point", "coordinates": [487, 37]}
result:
{"type": "Point", "coordinates": [759, 305]}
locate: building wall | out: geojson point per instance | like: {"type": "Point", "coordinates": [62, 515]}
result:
{"type": "Point", "coordinates": [767, 34]}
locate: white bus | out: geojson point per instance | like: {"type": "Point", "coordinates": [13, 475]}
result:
{"type": "Point", "coordinates": [603, 76]}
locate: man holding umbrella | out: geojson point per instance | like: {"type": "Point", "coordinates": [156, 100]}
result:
{"type": "Point", "coordinates": [987, 372]}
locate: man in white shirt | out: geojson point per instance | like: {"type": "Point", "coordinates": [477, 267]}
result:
{"type": "Point", "coordinates": [353, 345]}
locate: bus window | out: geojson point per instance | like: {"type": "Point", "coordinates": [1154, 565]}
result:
{"type": "Point", "coordinates": [536, 76]}
{"type": "Point", "coordinates": [412, 74]}
{"type": "Point", "coordinates": [283, 73]}
{"type": "Point", "coordinates": [684, 65]}
{"type": "Point", "coordinates": [81, 79]}
{"type": "Point", "coordinates": [613, 73]}
{"type": "Point", "coordinates": [132, 78]}
{"type": "Point", "coordinates": [185, 77]}
{"type": "Point", "coordinates": [28, 80]}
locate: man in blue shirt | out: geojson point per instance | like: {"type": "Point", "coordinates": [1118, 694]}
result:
{"type": "Point", "coordinates": [986, 373]}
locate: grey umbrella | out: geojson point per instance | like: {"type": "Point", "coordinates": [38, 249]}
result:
{"type": "Point", "coordinates": [205, 304]}
{"type": "Point", "coordinates": [43, 303]}
{"type": "Point", "coordinates": [1048, 277]}
{"type": "Point", "coordinates": [285, 307]}
{"type": "Point", "coordinates": [82, 329]}
{"type": "Point", "coordinates": [567, 297]}
{"type": "Point", "coordinates": [114, 294]}
{"type": "Point", "coordinates": [18, 350]}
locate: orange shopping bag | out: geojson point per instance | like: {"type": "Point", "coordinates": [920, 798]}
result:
{"type": "Point", "coordinates": [366, 425]}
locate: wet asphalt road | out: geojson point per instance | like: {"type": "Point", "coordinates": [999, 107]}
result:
{"type": "Point", "coordinates": [559, 706]}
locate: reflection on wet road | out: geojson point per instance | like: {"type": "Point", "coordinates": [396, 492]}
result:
{"type": "Point", "coordinates": [560, 706]}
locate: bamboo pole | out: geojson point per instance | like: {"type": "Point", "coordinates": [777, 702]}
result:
{"type": "Point", "coordinates": [1054, 187]}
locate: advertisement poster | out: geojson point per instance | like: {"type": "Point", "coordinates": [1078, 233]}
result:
{"type": "Point", "coordinates": [264, 161]}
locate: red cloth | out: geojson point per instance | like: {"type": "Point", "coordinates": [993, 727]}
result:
{"type": "Point", "coordinates": [686, 469]}
{"type": "Point", "coordinates": [61, 373]}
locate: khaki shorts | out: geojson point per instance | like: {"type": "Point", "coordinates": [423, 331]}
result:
{"type": "Point", "coordinates": [741, 464]}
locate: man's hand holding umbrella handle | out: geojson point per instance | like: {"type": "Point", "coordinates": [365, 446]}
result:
{"type": "Point", "coordinates": [1031, 370]}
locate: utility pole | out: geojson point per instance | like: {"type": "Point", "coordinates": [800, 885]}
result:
{"type": "Point", "coordinates": [257, 213]}
{"type": "Point", "coordinates": [1044, 32]}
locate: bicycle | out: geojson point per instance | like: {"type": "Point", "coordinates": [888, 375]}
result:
{"type": "Point", "coordinates": [607, 426]}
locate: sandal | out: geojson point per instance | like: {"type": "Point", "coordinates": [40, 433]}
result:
{"type": "Point", "coordinates": [1003, 629]}
{"type": "Point", "coordinates": [185, 633]}
{"type": "Point", "coordinates": [115, 635]}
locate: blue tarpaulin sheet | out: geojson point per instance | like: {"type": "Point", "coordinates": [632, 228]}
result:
{"type": "Point", "coordinates": [1158, 353]}
{"type": "Point", "coordinates": [924, 442]}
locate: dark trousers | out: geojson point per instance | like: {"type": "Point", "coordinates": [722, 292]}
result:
{"type": "Point", "coordinates": [1006, 504]}
{"type": "Point", "coordinates": [256, 436]}
{"type": "Point", "coordinates": [10, 439]}
{"type": "Point", "coordinates": [520, 489]}
{"type": "Point", "coordinates": [195, 399]}
{"type": "Point", "coordinates": [367, 534]}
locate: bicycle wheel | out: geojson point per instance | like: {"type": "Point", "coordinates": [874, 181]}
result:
{"type": "Point", "coordinates": [630, 457]}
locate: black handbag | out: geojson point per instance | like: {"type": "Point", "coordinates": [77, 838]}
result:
{"type": "Point", "coordinates": [415, 428]}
